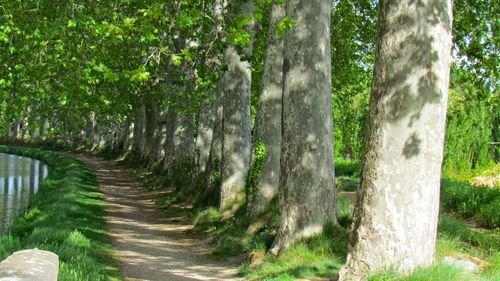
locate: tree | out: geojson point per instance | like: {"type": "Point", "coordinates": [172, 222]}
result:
{"type": "Point", "coordinates": [267, 130]}
{"type": "Point", "coordinates": [307, 187]}
{"type": "Point", "coordinates": [236, 144]}
{"type": "Point", "coordinates": [395, 219]}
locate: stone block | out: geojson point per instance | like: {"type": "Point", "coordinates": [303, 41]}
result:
{"type": "Point", "coordinates": [30, 265]}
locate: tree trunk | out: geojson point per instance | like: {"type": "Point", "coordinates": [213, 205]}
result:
{"type": "Point", "coordinates": [129, 135]}
{"type": "Point", "coordinates": [150, 124]}
{"type": "Point", "coordinates": [395, 220]}
{"type": "Point", "coordinates": [184, 138]}
{"type": "Point", "coordinates": [204, 137]}
{"type": "Point", "coordinates": [139, 130]}
{"type": "Point", "coordinates": [15, 133]}
{"type": "Point", "coordinates": [170, 123]}
{"type": "Point", "coordinates": [307, 187]}
{"type": "Point", "coordinates": [41, 130]}
{"type": "Point", "coordinates": [236, 144]}
{"type": "Point", "coordinates": [267, 129]}
{"type": "Point", "coordinates": [89, 133]}
{"type": "Point", "coordinates": [8, 130]}
{"type": "Point", "coordinates": [158, 137]}
{"type": "Point", "coordinates": [209, 117]}
{"type": "Point", "coordinates": [212, 191]}
{"type": "Point", "coordinates": [24, 127]}
{"type": "Point", "coordinates": [32, 133]}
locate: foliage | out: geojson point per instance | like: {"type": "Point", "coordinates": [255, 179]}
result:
{"type": "Point", "coordinates": [471, 109]}
{"type": "Point", "coordinates": [470, 201]}
{"type": "Point", "coordinates": [66, 217]}
{"type": "Point", "coordinates": [353, 42]}
{"type": "Point", "coordinates": [347, 168]}
{"type": "Point", "coordinates": [259, 156]}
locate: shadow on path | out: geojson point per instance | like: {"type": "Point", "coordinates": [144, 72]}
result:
{"type": "Point", "coordinates": [149, 246]}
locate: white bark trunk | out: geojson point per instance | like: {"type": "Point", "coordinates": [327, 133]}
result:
{"type": "Point", "coordinates": [170, 124]}
{"type": "Point", "coordinates": [151, 125]}
{"type": "Point", "coordinates": [15, 131]}
{"type": "Point", "coordinates": [236, 145]}
{"type": "Point", "coordinates": [8, 130]}
{"type": "Point", "coordinates": [268, 119]}
{"type": "Point", "coordinates": [139, 130]}
{"type": "Point", "coordinates": [307, 187]}
{"type": "Point", "coordinates": [90, 129]}
{"type": "Point", "coordinates": [184, 138]}
{"type": "Point", "coordinates": [395, 220]}
{"type": "Point", "coordinates": [204, 138]}
{"type": "Point", "coordinates": [41, 131]}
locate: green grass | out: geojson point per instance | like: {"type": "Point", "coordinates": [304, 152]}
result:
{"type": "Point", "coordinates": [319, 256]}
{"type": "Point", "coordinates": [468, 201]}
{"type": "Point", "coordinates": [66, 217]}
{"type": "Point", "coordinates": [438, 272]}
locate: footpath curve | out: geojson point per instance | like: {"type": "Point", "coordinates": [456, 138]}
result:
{"type": "Point", "coordinates": [150, 246]}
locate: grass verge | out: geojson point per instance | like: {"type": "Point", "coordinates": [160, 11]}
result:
{"type": "Point", "coordinates": [66, 217]}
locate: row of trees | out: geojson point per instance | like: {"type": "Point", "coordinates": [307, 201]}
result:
{"type": "Point", "coordinates": [241, 92]}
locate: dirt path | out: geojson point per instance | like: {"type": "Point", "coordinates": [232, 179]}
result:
{"type": "Point", "coordinates": [149, 246]}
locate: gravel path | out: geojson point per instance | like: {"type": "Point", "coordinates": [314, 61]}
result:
{"type": "Point", "coordinates": [150, 246]}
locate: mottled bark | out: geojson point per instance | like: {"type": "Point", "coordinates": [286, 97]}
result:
{"type": "Point", "coordinates": [15, 130]}
{"type": "Point", "coordinates": [139, 129]}
{"type": "Point", "coordinates": [129, 140]}
{"type": "Point", "coordinates": [179, 142]}
{"type": "Point", "coordinates": [215, 155]}
{"type": "Point", "coordinates": [122, 135]}
{"type": "Point", "coordinates": [8, 130]}
{"type": "Point", "coordinates": [184, 138]}
{"type": "Point", "coordinates": [24, 129]}
{"type": "Point", "coordinates": [206, 120]}
{"type": "Point", "coordinates": [210, 117]}
{"type": "Point", "coordinates": [89, 132]}
{"type": "Point", "coordinates": [170, 120]}
{"type": "Point", "coordinates": [32, 133]}
{"type": "Point", "coordinates": [209, 139]}
{"type": "Point", "coordinates": [150, 127]}
{"type": "Point", "coordinates": [41, 130]}
{"type": "Point", "coordinates": [307, 187]}
{"type": "Point", "coordinates": [158, 140]}
{"type": "Point", "coordinates": [268, 118]}
{"type": "Point", "coordinates": [395, 220]}
{"type": "Point", "coordinates": [236, 144]}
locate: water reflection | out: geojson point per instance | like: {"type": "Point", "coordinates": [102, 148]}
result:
{"type": "Point", "coordinates": [20, 178]}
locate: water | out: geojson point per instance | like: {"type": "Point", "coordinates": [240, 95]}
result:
{"type": "Point", "coordinates": [20, 178]}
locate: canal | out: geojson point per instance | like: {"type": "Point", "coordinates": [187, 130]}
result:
{"type": "Point", "coordinates": [20, 178]}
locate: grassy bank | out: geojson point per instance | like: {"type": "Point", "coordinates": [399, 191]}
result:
{"type": "Point", "coordinates": [66, 217]}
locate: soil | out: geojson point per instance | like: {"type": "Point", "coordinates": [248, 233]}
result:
{"type": "Point", "coordinates": [150, 245]}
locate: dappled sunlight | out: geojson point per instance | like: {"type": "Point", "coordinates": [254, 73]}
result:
{"type": "Point", "coordinates": [150, 246]}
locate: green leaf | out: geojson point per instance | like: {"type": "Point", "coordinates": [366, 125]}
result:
{"type": "Point", "coordinates": [187, 55]}
{"type": "Point", "coordinates": [284, 25]}
{"type": "Point", "coordinates": [176, 60]}
{"type": "Point", "coordinates": [72, 23]}
{"type": "Point", "coordinates": [140, 75]}
{"type": "Point", "coordinates": [4, 37]}
{"type": "Point", "coordinates": [239, 37]}
{"type": "Point", "coordinates": [129, 22]}
{"type": "Point", "coordinates": [185, 21]}
{"type": "Point", "coordinates": [110, 76]}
